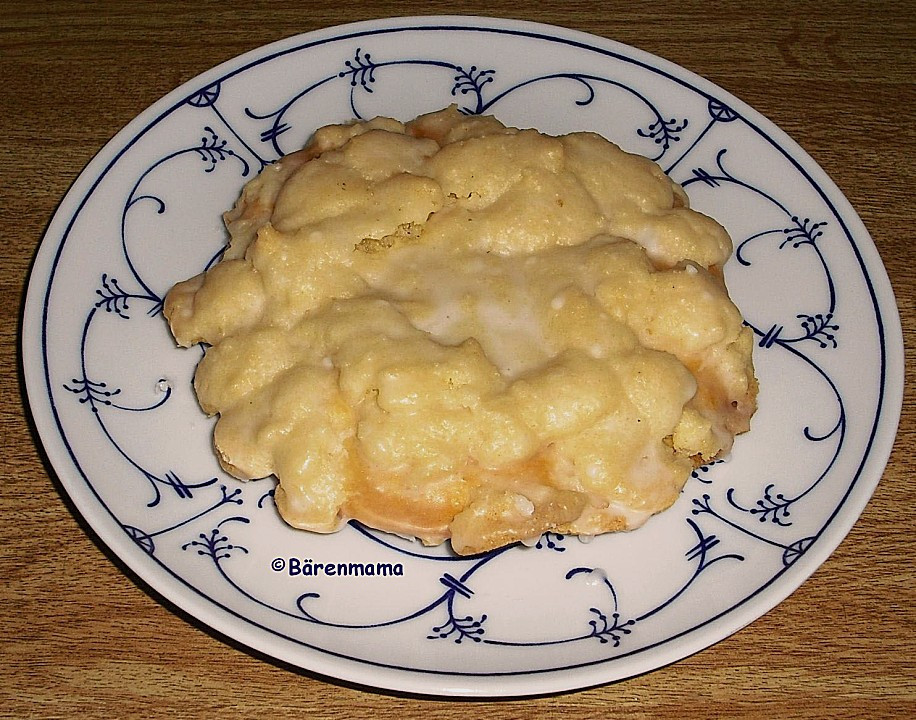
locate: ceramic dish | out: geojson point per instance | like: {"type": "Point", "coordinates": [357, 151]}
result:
{"type": "Point", "coordinates": [112, 399]}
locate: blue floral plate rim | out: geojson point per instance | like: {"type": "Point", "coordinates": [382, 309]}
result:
{"type": "Point", "coordinates": [248, 138]}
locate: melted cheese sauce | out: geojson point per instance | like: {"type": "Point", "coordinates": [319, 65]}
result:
{"type": "Point", "coordinates": [453, 329]}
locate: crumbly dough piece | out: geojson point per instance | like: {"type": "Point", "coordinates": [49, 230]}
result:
{"type": "Point", "coordinates": [452, 329]}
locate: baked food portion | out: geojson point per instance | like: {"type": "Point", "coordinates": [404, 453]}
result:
{"type": "Point", "coordinates": [453, 329]}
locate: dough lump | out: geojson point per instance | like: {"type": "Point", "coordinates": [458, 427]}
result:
{"type": "Point", "coordinates": [450, 329]}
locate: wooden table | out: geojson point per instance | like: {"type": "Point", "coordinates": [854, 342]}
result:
{"type": "Point", "coordinates": [83, 639]}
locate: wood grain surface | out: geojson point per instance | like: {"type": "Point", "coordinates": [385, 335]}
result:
{"type": "Point", "coordinates": [82, 638]}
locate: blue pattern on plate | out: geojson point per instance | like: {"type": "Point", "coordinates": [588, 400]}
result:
{"type": "Point", "coordinates": [451, 613]}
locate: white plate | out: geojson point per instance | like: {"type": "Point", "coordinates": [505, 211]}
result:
{"type": "Point", "coordinates": [112, 400]}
